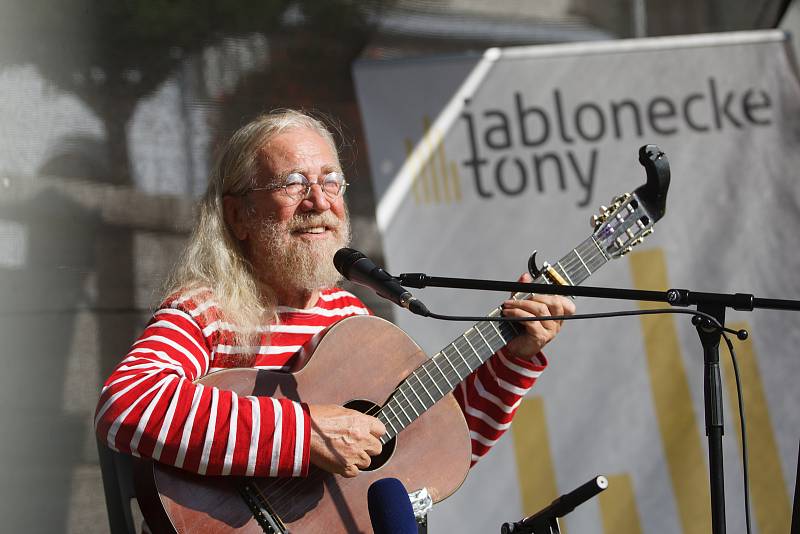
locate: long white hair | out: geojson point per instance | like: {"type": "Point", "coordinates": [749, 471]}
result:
{"type": "Point", "coordinates": [213, 258]}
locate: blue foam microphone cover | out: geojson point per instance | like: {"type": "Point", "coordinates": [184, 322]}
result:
{"type": "Point", "coordinates": [390, 508]}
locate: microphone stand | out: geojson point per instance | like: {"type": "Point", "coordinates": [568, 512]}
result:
{"type": "Point", "coordinates": [545, 521]}
{"type": "Point", "coordinates": [713, 304]}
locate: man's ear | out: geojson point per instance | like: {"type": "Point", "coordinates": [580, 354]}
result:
{"type": "Point", "coordinates": [235, 213]}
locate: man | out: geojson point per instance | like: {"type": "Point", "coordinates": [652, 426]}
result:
{"type": "Point", "coordinates": [255, 287]}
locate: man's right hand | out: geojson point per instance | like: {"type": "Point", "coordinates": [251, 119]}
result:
{"type": "Point", "coordinates": [342, 440]}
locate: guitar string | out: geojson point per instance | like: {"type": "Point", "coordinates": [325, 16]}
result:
{"type": "Point", "coordinates": [566, 264]}
{"type": "Point", "coordinates": [266, 504]}
{"type": "Point", "coordinates": [316, 476]}
{"type": "Point", "coordinates": [461, 369]}
{"type": "Point", "coordinates": [457, 374]}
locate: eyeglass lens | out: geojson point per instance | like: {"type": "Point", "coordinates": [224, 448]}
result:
{"type": "Point", "coordinates": [297, 185]}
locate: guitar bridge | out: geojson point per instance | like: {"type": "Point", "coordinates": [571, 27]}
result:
{"type": "Point", "coordinates": [262, 512]}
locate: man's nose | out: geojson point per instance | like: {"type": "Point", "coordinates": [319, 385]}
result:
{"type": "Point", "coordinates": [317, 199]}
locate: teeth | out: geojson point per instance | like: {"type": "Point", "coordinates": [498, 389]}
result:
{"type": "Point", "coordinates": [315, 230]}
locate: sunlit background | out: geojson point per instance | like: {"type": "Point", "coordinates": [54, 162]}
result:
{"type": "Point", "coordinates": [110, 114]}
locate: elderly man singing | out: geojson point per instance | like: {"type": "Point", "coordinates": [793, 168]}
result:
{"type": "Point", "coordinates": [255, 288]}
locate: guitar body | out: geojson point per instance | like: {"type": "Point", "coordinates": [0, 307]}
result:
{"type": "Point", "coordinates": [358, 359]}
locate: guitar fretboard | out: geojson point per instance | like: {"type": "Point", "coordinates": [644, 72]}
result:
{"type": "Point", "coordinates": [440, 375]}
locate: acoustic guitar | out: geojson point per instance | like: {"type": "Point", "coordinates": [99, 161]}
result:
{"type": "Point", "coordinates": [427, 444]}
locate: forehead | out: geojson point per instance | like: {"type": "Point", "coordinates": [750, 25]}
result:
{"type": "Point", "coordinates": [299, 149]}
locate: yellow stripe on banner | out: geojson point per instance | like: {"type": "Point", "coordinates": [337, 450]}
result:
{"type": "Point", "coordinates": [618, 507]}
{"type": "Point", "coordinates": [536, 474]}
{"type": "Point", "coordinates": [422, 178]}
{"type": "Point", "coordinates": [430, 165]}
{"type": "Point", "coordinates": [443, 167]}
{"type": "Point", "coordinates": [417, 185]}
{"type": "Point", "coordinates": [680, 433]}
{"type": "Point", "coordinates": [767, 487]}
{"type": "Point", "coordinates": [456, 180]}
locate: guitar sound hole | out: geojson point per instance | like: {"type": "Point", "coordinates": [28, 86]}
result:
{"type": "Point", "coordinates": [368, 407]}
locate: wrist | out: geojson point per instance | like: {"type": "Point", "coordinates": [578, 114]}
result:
{"type": "Point", "coordinates": [535, 359]}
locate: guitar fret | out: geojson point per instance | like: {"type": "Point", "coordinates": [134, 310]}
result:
{"type": "Point", "coordinates": [600, 249]}
{"type": "Point", "coordinates": [422, 404]}
{"type": "Point", "coordinates": [433, 381]}
{"type": "Point", "coordinates": [512, 331]}
{"type": "Point", "coordinates": [596, 253]}
{"type": "Point", "coordinates": [462, 358]}
{"type": "Point", "coordinates": [565, 273]}
{"type": "Point", "coordinates": [421, 383]}
{"type": "Point", "coordinates": [580, 271]}
{"type": "Point", "coordinates": [585, 256]}
{"type": "Point", "coordinates": [393, 417]}
{"type": "Point", "coordinates": [409, 404]}
{"type": "Point", "coordinates": [578, 267]}
{"type": "Point", "coordinates": [483, 338]}
{"type": "Point", "coordinates": [499, 334]}
{"type": "Point", "coordinates": [593, 263]}
{"type": "Point", "coordinates": [470, 344]}
{"type": "Point", "coordinates": [577, 254]}
{"type": "Point", "coordinates": [394, 405]}
{"type": "Point", "coordinates": [449, 385]}
{"type": "Point", "coordinates": [388, 421]}
{"type": "Point", "coordinates": [447, 359]}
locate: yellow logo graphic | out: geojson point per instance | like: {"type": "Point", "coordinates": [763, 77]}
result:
{"type": "Point", "coordinates": [438, 179]}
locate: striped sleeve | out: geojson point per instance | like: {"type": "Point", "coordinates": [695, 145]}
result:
{"type": "Point", "coordinates": [490, 396]}
{"type": "Point", "coordinates": [151, 407]}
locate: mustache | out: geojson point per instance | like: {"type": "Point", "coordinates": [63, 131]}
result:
{"type": "Point", "coordinates": [309, 220]}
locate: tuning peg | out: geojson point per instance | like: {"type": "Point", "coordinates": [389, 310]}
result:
{"type": "Point", "coordinates": [648, 232]}
{"type": "Point", "coordinates": [626, 250]}
{"type": "Point", "coordinates": [597, 220]}
{"type": "Point", "coordinates": [637, 241]}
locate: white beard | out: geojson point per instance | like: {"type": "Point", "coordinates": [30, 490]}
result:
{"type": "Point", "coordinates": [288, 262]}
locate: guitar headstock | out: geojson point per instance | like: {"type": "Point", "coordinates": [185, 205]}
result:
{"type": "Point", "coordinates": [630, 217]}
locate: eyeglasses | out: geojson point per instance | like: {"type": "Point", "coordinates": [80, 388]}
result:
{"type": "Point", "coordinates": [297, 186]}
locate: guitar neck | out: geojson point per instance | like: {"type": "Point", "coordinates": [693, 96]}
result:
{"type": "Point", "coordinates": [445, 370]}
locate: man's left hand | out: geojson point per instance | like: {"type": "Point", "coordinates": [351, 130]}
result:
{"type": "Point", "coordinates": [535, 334]}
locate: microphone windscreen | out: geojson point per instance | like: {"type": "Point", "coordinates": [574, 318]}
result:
{"type": "Point", "coordinates": [344, 259]}
{"type": "Point", "coordinates": [390, 508]}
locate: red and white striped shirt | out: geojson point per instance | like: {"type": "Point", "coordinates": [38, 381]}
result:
{"type": "Point", "coordinates": [151, 407]}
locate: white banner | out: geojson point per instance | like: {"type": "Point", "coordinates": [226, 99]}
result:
{"type": "Point", "coordinates": [478, 161]}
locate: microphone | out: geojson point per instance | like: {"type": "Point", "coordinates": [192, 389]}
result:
{"type": "Point", "coordinates": [558, 508]}
{"type": "Point", "coordinates": [359, 269]}
{"type": "Point", "coordinates": [390, 509]}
